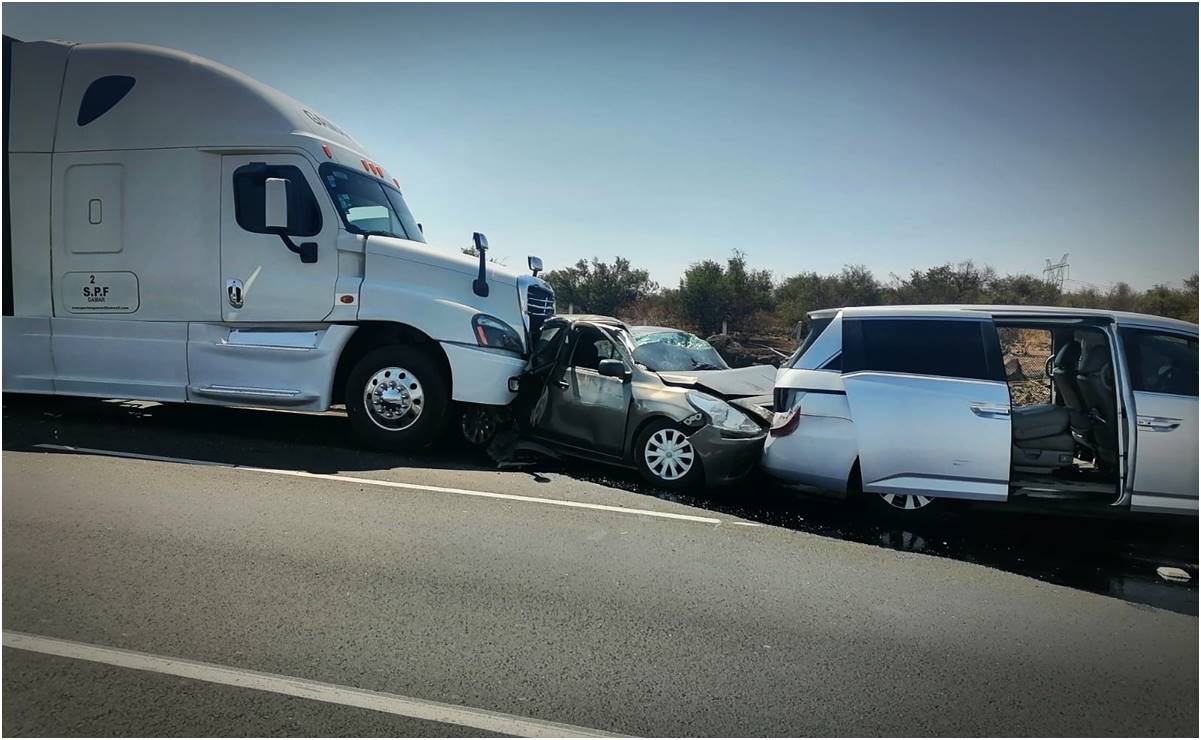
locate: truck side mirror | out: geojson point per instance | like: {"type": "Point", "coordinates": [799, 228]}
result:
{"type": "Point", "coordinates": [275, 206]}
{"type": "Point", "coordinates": [275, 218]}
{"type": "Point", "coordinates": [612, 369]}
{"type": "Point", "coordinates": [480, 285]}
{"type": "Point", "coordinates": [535, 264]}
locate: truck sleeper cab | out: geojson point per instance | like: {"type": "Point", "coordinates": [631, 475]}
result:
{"type": "Point", "coordinates": [910, 404]}
{"type": "Point", "coordinates": [177, 231]}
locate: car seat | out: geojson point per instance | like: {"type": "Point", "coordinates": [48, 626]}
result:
{"type": "Point", "coordinates": [1042, 436]}
{"type": "Point", "coordinates": [1094, 374]}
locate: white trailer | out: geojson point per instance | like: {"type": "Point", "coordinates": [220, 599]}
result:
{"type": "Point", "coordinates": [177, 231]}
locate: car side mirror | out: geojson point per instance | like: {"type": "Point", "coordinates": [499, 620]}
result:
{"type": "Point", "coordinates": [613, 369]}
{"type": "Point", "coordinates": [275, 206]}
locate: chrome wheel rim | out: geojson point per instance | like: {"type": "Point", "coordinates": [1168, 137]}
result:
{"type": "Point", "coordinates": [477, 425]}
{"type": "Point", "coordinates": [394, 399]}
{"type": "Point", "coordinates": [668, 454]}
{"type": "Point", "coordinates": [906, 501]}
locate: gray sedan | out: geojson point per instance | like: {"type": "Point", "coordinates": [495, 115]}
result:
{"type": "Point", "coordinates": [657, 399]}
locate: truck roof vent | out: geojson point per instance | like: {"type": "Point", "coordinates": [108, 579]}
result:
{"type": "Point", "coordinates": [101, 96]}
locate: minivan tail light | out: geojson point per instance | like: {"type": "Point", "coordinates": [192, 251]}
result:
{"type": "Point", "coordinates": [784, 423]}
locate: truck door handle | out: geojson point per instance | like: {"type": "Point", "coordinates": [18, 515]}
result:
{"type": "Point", "coordinates": [990, 410]}
{"type": "Point", "coordinates": [1157, 423]}
{"type": "Point", "coordinates": [233, 292]}
{"type": "Point", "coordinates": [562, 384]}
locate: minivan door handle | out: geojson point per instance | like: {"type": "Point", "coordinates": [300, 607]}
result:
{"type": "Point", "coordinates": [1157, 423]}
{"type": "Point", "coordinates": [990, 410]}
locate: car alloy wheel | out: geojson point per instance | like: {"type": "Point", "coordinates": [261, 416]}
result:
{"type": "Point", "coordinates": [668, 454]}
{"type": "Point", "coordinates": [477, 424]}
{"type": "Point", "coordinates": [906, 501]}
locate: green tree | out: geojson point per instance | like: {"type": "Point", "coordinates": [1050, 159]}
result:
{"type": "Point", "coordinates": [599, 287]}
{"type": "Point", "coordinates": [1022, 290]}
{"type": "Point", "coordinates": [1121, 297]}
{"type": "Point", "coordinates": [710, 293]}
{"type": "Point", "coordinates": [809, 291]}
{"type": "Point", "coordinates": [961, 283]}
{"type": "Point", "coordinates": [1176, 303]}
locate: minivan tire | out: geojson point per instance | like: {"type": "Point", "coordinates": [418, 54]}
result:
{"type": "Point", "coordinates": [408, 409]}
{"type": "Point", "coordinates": [665, 431]}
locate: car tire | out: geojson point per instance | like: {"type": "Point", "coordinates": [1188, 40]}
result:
{"type": "Point", "coordinates": [397, 398]}
{"type": "Point", "coordinates": [478, 424]}
{"type": "Point", "coordinates": [666, 458]}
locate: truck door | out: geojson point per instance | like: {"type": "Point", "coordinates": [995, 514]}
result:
{"type": "Point", "coordinates": [261, 278]}
{"type": "Point", "coordinates": [1162, 369]}
{"type": "Point", "coordinates": [930, 408]}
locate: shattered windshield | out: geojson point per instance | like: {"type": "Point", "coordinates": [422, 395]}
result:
{"type": "Point", "coordinates": [675, 351]}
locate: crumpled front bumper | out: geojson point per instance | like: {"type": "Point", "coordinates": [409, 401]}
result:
{"type": "Point", "coordinates": [726, 460]}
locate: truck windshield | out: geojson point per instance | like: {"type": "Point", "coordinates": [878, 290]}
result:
{"type": "Point", "coordinates": [367, 206]}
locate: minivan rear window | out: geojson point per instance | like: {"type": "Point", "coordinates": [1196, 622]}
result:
{"type": "Point", "coordinates": [944, 347]}
{"type": "Point", "coordinates": [816, 327]}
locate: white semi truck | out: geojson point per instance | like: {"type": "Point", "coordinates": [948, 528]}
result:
{"type": "Point", "coordinates": [177, 231]}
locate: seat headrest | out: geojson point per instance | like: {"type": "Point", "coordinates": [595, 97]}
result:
{"type": "Point", "coordinates": [1093, 359]}
{"type": "Point", "coordinates": [1068, 356]}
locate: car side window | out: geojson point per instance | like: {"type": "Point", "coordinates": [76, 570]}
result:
{"type": "Point", "coordinates": [250, 184]}
{"type": "Point", "coordinates": [1161, 362]}
{"type": "Point", "coordinates": [949, 348]}
{"type": "Point", "coordinates": [592, 347]}
{"type": "Point", "coordinates": [545, 348]}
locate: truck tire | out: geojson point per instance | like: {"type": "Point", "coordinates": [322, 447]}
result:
{"type": "Point", "coordinates": [397, 398]}
{"type": "Point", "coordinates": [666, 458]}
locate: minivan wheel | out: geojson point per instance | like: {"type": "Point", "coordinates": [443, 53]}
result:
{"type": "Point", "coordinates": [397, 398]}
{"type": "Point", "coordinates": [906, 501]}
{"type": "Point", "coordinates": [666, 457]}
{"type": "Point", "coordinates": [897, 505]}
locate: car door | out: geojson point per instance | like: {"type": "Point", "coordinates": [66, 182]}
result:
{"type": "Point", "coordinates": [930, 406]}
{"type": "Point", "coordinates": [584, 408]}
{"type": "Point", "coordinates": [1162, 372]}
{"type": "Point", "coordinates": [261, 278]}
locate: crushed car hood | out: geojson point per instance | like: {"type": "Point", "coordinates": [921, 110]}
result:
{"type": "Point", "coordinates": [742, 382]}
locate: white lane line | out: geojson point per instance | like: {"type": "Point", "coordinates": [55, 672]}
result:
{"type": "Point", "coordinates": [390, 484]}
{"type": "Point", "coordinates": [348, 696]}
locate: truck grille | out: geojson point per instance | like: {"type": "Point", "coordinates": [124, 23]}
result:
{"type": "Point", "coordinates": [540, 305]}
{"type": "Point", "coordinates": [539, 302]}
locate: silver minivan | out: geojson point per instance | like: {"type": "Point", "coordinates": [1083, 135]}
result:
{"type": "Point", "coordinates": [912, 404]}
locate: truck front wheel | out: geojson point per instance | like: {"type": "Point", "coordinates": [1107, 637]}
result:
{"type": "Point", "coordinates": [397, 398]}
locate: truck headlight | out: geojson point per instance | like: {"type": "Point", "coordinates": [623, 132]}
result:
{"type": "Point", "coordinates": [493, 333]}
{"type": "Point", "coordinates": [722, 415]}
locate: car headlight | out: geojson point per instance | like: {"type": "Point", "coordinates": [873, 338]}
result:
{"type": "Point", "coordinates": [722, 415]}
{"type": "Point", "coordinates": [493, 333]}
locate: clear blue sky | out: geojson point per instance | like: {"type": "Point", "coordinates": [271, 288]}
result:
{"type": "Point", "coordinates": [807, 136]}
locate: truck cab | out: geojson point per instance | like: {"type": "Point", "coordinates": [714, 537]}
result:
{"type": "Point", "coordinates": [177, 231]}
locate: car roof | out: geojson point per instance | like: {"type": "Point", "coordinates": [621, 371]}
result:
{"type": "Point", "coordinates": [587, 318]}
{"type": "Point", "coordinates": [1000, 311]}
{"type": "Point", "coordinates": [641, 330]}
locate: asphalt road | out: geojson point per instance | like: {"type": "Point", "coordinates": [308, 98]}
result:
{"type": "Point", "coordinates": [538, 595]}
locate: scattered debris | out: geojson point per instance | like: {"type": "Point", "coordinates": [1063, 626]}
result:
{"type": "Point", "coordinates": [1172, 573]}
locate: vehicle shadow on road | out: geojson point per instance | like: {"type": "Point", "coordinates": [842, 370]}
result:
{"type": "Point", "coordinates": [1115, 557]}
{"type": "Point", "coordinates": [303, 441]}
